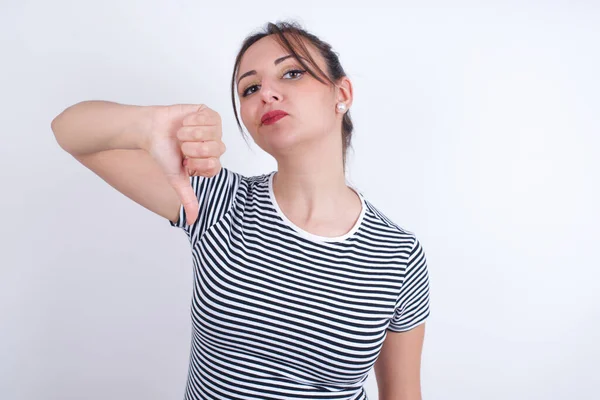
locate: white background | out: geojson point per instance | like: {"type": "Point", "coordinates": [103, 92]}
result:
{"type": "Point", "coordinates": [477, 128]}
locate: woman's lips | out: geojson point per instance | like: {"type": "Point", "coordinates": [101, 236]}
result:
{"type": "Point", "coordinates": [272, 120]}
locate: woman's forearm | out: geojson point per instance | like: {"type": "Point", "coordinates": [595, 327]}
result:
{"type": "Point", "coordinates": [93, 126]}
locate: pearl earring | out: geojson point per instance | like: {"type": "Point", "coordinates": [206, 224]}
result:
{"type": "Point", "coordinates": [341, 107]}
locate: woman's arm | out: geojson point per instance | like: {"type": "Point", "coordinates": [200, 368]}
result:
{"type": "Point", "coordinates": [398, 367]}
{"type": "Point", "coordinates": [94, 126]}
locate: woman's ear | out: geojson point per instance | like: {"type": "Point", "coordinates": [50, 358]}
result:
{"type": "Point", "coordinates": [344, 91]}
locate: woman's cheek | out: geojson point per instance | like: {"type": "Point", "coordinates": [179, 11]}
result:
{"type": "Point", "coordinates": [245, 119]}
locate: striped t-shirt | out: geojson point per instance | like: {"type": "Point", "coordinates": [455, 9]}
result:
{"type": "Point", "coordinates": [280, 313]}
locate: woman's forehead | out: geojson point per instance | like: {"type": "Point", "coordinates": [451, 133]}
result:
{"type": "Point", "coordinates": [264, 53]}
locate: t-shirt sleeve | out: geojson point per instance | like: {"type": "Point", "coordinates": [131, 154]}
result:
{"type": "Point", "coordinates": [215, 197]}
{"type": "Point", "coordinates": [412, 306]}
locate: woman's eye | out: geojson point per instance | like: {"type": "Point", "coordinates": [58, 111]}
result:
{"type": "Point", "coordinates": [245, 93]}
{"type": "Point", "coordinates": [297, 72]}
{"type": "Point", "coordinates": [294, 71]}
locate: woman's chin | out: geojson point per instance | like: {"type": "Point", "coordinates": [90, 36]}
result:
{"type": "Point", "coordinates": [280, 141]}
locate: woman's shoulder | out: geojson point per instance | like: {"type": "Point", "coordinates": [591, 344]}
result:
{"type": "Point", "coordinates": [240, 183]}
{"type": "Point", "coordinates": [381, 219]}
{"type": "Point", "coordinates": [229, 172]}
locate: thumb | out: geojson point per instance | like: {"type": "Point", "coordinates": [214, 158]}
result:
{"type": "Point", "coordinates": [188, 198]}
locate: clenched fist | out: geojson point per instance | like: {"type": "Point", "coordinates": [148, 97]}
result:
{"type": "Point", "coordinates": [185, 140]}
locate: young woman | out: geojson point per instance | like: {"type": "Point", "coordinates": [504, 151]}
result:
{"type": "Point", "coordinates": [301, 284]}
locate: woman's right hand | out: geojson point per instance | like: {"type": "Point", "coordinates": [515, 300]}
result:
{"type": "Point", "coordinates": [185, 140]}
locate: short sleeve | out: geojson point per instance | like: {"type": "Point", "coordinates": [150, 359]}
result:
{"type": "Point", "coordinates": [412, 306]}
{"type": "Point", "coordinates": [215, 197]}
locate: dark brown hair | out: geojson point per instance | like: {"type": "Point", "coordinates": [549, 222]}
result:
{"type": "Point", "coordinates": [285, 31]}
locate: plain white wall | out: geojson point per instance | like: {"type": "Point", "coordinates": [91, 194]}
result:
{"type": "Point", "coordinates": [476, 128]}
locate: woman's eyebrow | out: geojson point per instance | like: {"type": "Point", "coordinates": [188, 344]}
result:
{"type": "Point", "coordinates": [277, 61]}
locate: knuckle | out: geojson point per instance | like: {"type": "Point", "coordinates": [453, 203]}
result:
{"type": "Point", "coordinates": [193, 164]}
{"type": "Point", "coordinates": [185, 148]}
{"type": "Point", "coordinates": [205, 111]}
{"type": "Point", "coordinates": [194, 134]}
{"type": "Point", "coordinates": [203, 165]}
{"type": "Point", "coordinates": [202, 150]}
{"type": "Point", "coordinates": [215, 133]}
{"type": "Point", "coordinates": [189, 120]}
{"type": "Point", "coordinates": [212, 116]}
{"type": "Point", "coordinates": [191, 149]}
{"type": "Point", "coordinates": [181, 133]}
{"type": "Point", "coordinates": [217, 167]}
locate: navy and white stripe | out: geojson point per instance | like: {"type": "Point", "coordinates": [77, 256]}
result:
{"type": "Point", "coordinates": [280, 313]}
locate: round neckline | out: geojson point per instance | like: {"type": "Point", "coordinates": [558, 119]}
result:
{"type": "Point", "coordinates": [312, 236]}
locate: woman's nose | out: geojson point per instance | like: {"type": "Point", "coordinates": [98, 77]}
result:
{"type": "Point", "coordinates": [269, 92]}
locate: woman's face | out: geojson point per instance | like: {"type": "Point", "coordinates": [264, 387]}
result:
{"type": "Point", "coordinates": [280, 83]}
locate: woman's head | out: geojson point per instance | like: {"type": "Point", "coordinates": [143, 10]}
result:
{"type": "Point", "coordinates": [286, 68]}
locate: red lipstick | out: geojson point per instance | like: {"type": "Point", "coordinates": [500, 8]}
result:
{"type": "Point", "coordinates": [272, 116]}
